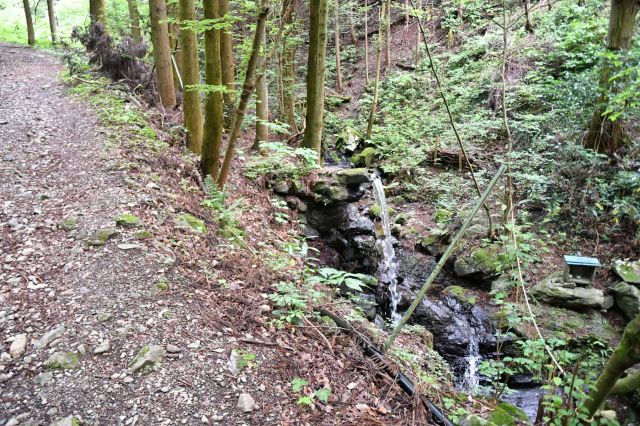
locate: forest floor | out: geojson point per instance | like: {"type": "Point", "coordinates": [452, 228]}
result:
{"type": "Point", "coordinates": [81, 299]}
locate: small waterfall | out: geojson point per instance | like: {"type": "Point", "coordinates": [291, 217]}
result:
{"type": "Point", "coordinates": [471, 379]}
{"type": "Point", "coordinates": [388, 266]}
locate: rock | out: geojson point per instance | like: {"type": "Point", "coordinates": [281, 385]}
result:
{"type": "Point", "coordinates": [348, 139]}
{"type": "Point", "coordinates": [554, 291]}
{"type": "Point", "coordinates": [478, 262]}
{"type": "Point", "coordinates": [128, 246]}
{"type": "Point", "coordinates": [434, 245]}
{"type": "Point", "coordinates": [246, 403]}
{"type": "Point", "coordinates": [502, 284]}
{"type": "Point", "coordinates": [401, 218]}
{"type": "Point", "coordinates": [628, 270]}
{"type": "Point", "coordinates": [103, 347]}
{"type": "Point", "coordinates": [627, 298]}
{"type": "Point", "coordinates": [100, 237]}
{"type": "Point", "coordinates": [173, 349]}
{"type": "Point", "coordinates": [67, 421]}
{"type": "Point", "coordinates": [474, 420]}
{"type": "Point", "coordinates": [127, 220]}
{"type": "Point", "coordinates": [104, 316]}
{"type": "Point", "coordinates": [43, 378]}
{"type": "Point", "coordinates": [18, 346]}
{"type": "Point", "coordinates": [354, 176]}
{"type": "Point", "coordinates": [62, 361]}
{"type": "Point", "coordinates": [233, 364]}
{"type": "Point", "coordinates": [506, 414]}
{"type": "Point", "coordinates": [282, 187]}
{"type": "Point", "coordinates": [190, 222]}
{"type": "Point", "coordinates": [49, 337]}
{"type": "Point", "coordinates": [365, 158]}
{"type": "Point", "coordinates": [148, 359]}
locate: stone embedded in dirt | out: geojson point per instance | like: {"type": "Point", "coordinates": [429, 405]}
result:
{"type": "Point", "coordinates": [62, 361]}
{"type": "Point", "coordinates": [18, 346]}
{"type": "Point", "coordinates": [67, 421]}
{"type": "Point", "coordinates": [233, 364]}
{"type": "Point", "coordinates": [68, 224]}
{"type": "Point", "coordinates": [128, 246]}
{"type": "Point", "coordinates": [49, 337]}
{"type": "Point", "coordinates": [102, 348]}
{"type": "Point", "coordinates": [127, 220]}
{"type": "Point", "coordinates": [101, 236]}
{"type": "Point", "coordinates": [104, 316]}
{"type": "Point", "coordinates": [554, 291]}
{"type": "Point", "coordinates": [43, 378]}
{"type": "Point", "coordinates": [246, 403]}
{"type": "Point", "coordinates": [172, 349]}
{"type": "Point", "coordinates": [148, 359]}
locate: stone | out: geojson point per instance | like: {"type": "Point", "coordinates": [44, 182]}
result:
{"type": "Point", "coordinates": [627, 299]}
{"type": "Point", "coordinates": [173, 349]}
{"type": "Point", "coordinates": [62, 361]}
{"type": "Point", "coordinates": [502, 284]}
{"type": "Point", "coordinates": [128, 246]}
{"type": "Point", "coordinates": [246, 403]}
{"type": "Point", "coordinates": [190, 222]}
{"type": "Point", "coordinates": [478, 262]}
{"type": "Point", "coordinates": [104, 316]}
{"type": "Point", "coordinates": [628, 270]}
{"type": "Point", "coordinates": [148, 358]}
{"type": "Point", "coordinates": [506, 414]}
{"type": "Point", "coordinates": [282, 187]}
{"type": "Point", "coordinates": [103, 347]}
{"type": "Point", "coordinates": [49, 337]}
{"type": "Point", "coordinates": [364, 158]}
{"type": "Point", "coordinates": [233, 363]}
{"type": "Point", "coordinates": [127, 220]}
{"type": "Point", "coordinates": [554, 291]}
{"type": "Point", "coordinates": [68, 224]}
{"type": "Point", "coordinates": [101, 236]}
{"type": "Point", "coordinates": [354, 176]}
{"type": "Point", "coordinates": [18, 346]}
{"type": "Point", "coordinates": [474, 420]}
{"type": "Point", "coordinates": [43, 378]}
{"type": "Point", "coordinates": [67, 421]}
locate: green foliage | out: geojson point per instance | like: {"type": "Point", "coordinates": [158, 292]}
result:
{"type": "Point", "coordinates": [334, 278]}
{"type": "Point", "coordinates": [225, 215]}
{"type": "Point", "coordinates": [283, 161]}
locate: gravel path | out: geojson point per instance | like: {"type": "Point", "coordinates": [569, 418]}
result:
{"type": "Point", "coordinates": [64, 295]}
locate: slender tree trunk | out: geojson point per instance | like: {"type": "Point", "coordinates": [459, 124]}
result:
{"type": "Point", "coordinates": [226, 47]}
{"type": "Point", "coordinates": [417, 51]}
{"type": "Point", "coordinates": [605, 135]}
{"type": "Point", "coordinates": [247, 89]}
{"type": "Point", "coordinates": [352, 26]}
{"type": "Point", "coordinates": [174, 45]}
{"type": "Point", "coordinates": [134, 19]}
{"type": "Point", "coordinates": [627, 384]}
{"type": "Point", "coordinates": [366, 42]}
{"type": "Point", "coordinates": [52, 22]}
{"type": "Point", "coordinates": [31, 36]}
{"type": "Point", "coordinates": [98, 12]}
{"type": "Point", "coordinates": [262, 103]}
{"type": "Point", "coordinates": [624, 356]}
{"type": "Point", "coordinates": [191, 104]}
{"type": "Point", "coordinates": [374, 103]}
{"type": "Point", "coordinates": [213, 121]}
{"type": "Point", "coordinates": [161, 52]}
{"type": "Point", "coordinates": [503, 88]}
{"type": "Point", "coordinates": [388, 35]}
{"type": "Point", "coordinates": [315, 75]}
{"type": "Point", "coordinates": [337, 47]}
{"type": "Point", "coordinates": [528, 26]}
{"type": "Point", "coordinates": [288, 74]}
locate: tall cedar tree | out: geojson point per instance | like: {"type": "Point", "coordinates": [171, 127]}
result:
{"type": "Point", "coordinates": [288, 70]}
{"type": "Point", "coordinates": [262, 104]}
{"type": "Point", "coordinates": [161, 52]}
{"type": "Point", "coordinates": [31, 37]}
{"type": "Point", "coordinates": [52, 21]}
{"type": "Point", "coordinates": [212, 142]}
{"type": "Point", "coordinates": [337, 47]}
{"type": "Point", "coordinates": [605, 135]}
{"type": "Point", "coordinates": [174, 44]}
{"type": "Point", "coordinates": [192, 105]}
{"type": "Point", "coordinates": [134, 21]}
{"type": "Point", "coordinates": [315, 75]}
{"type": "Point", "coordinates": [226, 53]}
{"type": "Point", "coordinates": [98, 12]}
{"type": "Point", "coordinates": [376, 83]}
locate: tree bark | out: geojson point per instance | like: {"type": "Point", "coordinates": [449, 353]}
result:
{"type": "Point", "coordinates": [315, 75]}
{"type": "Point", "coordinates": [374, 103]}
{"type": "Point", "coordinates": [213, 121]}
{"type": "Point", "coordinates": [226, 47]}
{"type": "Point", "coordinates": [174, 45]}
{"type": "Point", "coordinates": [605, 135]}
{"type": "Point", "coordinates": [247, 89]}
{"type": "Point", "coordinates": [161, 52]}
{"type": "Point", "coordinates": [134, 19]}
{"type": "Point", "coordinates": [31, 37]}
{"type": "Point", "coordinates": [191, 104]}
{"type": "Point", "coordinates": [288, 74]}
{"type": "Point", "coordinates": [98, 12]}
{"type": "Point", "coordinates": [627, 384]}
{"type": "Point", "coordinates": [337, 47]}
{"type": "Point", "coordinates": [366, 42]}
{"type": "Point", "coordinates": [52, 22]}
{"type": "Point", "coordinates": [262, 103]}
{"type": "Point", "coordinates": [624, 356]}
{"type": "Point", "coordinates": [388, 35]}
{"type": "Point", "coordinates": [528, 26]}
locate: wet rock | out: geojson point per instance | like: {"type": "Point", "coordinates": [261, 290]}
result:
{"type": "Point", "coordinates": [354, 176]}
{"type": "Point", "coordinates": [508, 415]}
{"type": "Point", "coordinates": [364, 158]}
{"type": "Point", "coordinates": [480, 262]}
{"type": "Point", "coordinates": [627, 299]}
{"type": "Point", "coordinates": [18, 346]}
{"type": "Point", "coordinates": [49, 337]}
{"type": "Point", "coordinates": [148, 359]}
{"type": "Point", "coordinates": [246, 404]}
{"type": "Point", "coordinates": [554, 291]}
{"type": "Point", "coordinates": [62, 361]}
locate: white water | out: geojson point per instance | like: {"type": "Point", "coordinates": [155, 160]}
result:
{"type": "Point", "coordinates": [388, 266]}
{"type": "Point", "coordinates": [471, 378]}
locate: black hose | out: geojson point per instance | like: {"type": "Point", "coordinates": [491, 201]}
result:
{"type": "Point", "coordinates": [437, 416]}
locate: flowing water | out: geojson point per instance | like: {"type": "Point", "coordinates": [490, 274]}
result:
{"type": "Point", "coordinates": [471, 378]}
{"type": "Point", "coordinates": [389, 264]}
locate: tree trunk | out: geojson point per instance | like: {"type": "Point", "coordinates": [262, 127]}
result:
{"type": "Point", "coordinates": [528, 26]}
{"type": "Point", "coordinates": [213, 121]}
{"type": "Point", "coordinates": [315, 75]}
{"type": "Point", "coordinates": [262, 104]}
{"type": "Point", "coordinates": [337, 46]}
{"type": "Point", "coordinates": [226, 47]}
{"type": "Point", "coordinates": [98, 12]}
{"type": "Point", "coordinates": [374, 103]}
{"type": "Point", "coordinates": [31, 37]}
{"type": "Point", "coordinates": [191, 104]}
{"type": "Point", "coordinates": [134, 19]}
{"type": "Point", "coordinates": [627, 384]}
{"type": "Point", "coordinates": [605, 135]}
{"type": "Point", "coordinates": [174, 45]}
{"type": "Point", "coordinates": [247, 90]}
{"type": "Point", "coordinates": [624, 356]}
{"type": "Point", "coordinates": [288, 74]}
{"type": "Point", "coordinates": [366, 42]}
{"type": "Point", "coordinates": [388, 35]}
{"type": "Point", "coordinates": [161, 52]}
{"type": "Point", "coordinates": [52, 22]}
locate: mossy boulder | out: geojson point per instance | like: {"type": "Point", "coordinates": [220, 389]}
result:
{"type": "Point", "coordinates": [190, 222]}
{"type": "Point", "coordinates": [62, 361]}
{"type": "Point", "coordinates": [627, 299]}
{"type": "Point", "coordinates": [127, 220]}
{"type": "Point", "coordinates": [376, 211]}
{"type": "Point", "coordinates": [148, 359]}
{"type": "Point", "coordinates": [461, 294]}
{"type": "Point", "coordinates": [481, 262]}
{"type": "Point", "coordinates": [365, 158]}
{"type": "Point", "coordinates": [433, 244]}
{"type": "Point", "coordinates": [354, 176]}
{"type": "Point", "coordinates": [68, 224]}
{"type": "Point", "coordinates": [474, 420]}
{"type": "Point", "coordinates": [348, 139]}
{"type": "Point", "coordinates": [101, 236]}
{"type": "Point", "coordinates": [555, 291]}
{"type": "Point", "coordinates": [506, 414]}
{"type": "Point", "coordinates": [628, 270]}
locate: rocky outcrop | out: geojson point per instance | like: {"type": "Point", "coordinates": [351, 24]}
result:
{"type": "Point", "coordinates": [478, 263]}
{"type": "Point", "coordinates": [627, 298]}
{"type": "Point", "coordinates": [555, 291]}
{"type": "Point", "coordinates": [628, 270]}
